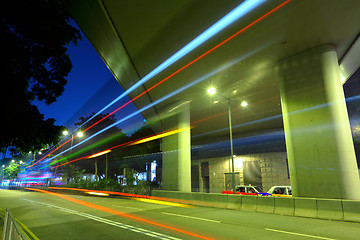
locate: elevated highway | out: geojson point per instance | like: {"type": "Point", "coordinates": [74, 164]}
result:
{"type": "Point", "coordinates": [282, 57]}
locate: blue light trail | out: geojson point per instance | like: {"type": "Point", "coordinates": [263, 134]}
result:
{"type": "Point", "coordinates": [240, 11]}
{"type": "Point", "coordinates": [163, 98]}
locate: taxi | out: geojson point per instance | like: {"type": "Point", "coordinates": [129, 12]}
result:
{"type": "Point", "coordinates": [245, 190]}
{"type": "Point", "coordinates": [280, 191]}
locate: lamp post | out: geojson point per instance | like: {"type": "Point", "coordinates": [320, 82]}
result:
{"type": "Point", "coordinates": [231, 148]}
{"type": "Point", "coordinates": [65, 133]}
{"type": "Point", "coordinates": [78, 134]}
{"type": "Point", "coordinates": [212, 91]}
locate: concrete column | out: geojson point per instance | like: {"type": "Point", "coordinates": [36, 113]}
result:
{"type": "Point", "coordinates": [177, 151]}
{"type": "Point", "coordinates": [319, 144]}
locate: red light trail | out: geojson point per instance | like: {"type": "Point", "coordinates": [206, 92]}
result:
{"type": "Point", "coordinates": [118, 213]}
{"type": "Point", "coordinates": [133, 142]}
{"type": "Point", "coordinates": [182, 68]}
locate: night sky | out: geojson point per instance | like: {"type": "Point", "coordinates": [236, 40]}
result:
{"type": "Point", "coordinates": [90, 87]}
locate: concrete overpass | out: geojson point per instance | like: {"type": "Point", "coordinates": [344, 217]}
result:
{"type": "Point", "coordinates": [281, 57]}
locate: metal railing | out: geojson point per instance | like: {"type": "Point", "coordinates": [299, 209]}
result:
{"type": "Point", "coordinates": [12, 230]}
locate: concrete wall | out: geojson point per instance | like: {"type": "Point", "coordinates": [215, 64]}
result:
{"type": "Point", "coordinates": [274, 170]}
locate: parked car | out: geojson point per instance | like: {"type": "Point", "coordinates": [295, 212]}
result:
{"type": "Point", "coordinates": [280, 191]}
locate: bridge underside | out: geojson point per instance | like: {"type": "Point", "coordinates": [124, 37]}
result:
{"type": "Point", "coordinates": [282, 59]}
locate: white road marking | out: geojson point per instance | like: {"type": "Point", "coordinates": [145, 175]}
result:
{"type": "Point", "coordinates": [203, 219]}
{"type": "Point", "coordinates": [110, 222]}
{"type": "Point", "coordinates": [128, 207]}
{"type": "Point", "coordinates": [299, 234]}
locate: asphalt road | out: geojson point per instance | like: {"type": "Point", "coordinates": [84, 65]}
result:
{"type": "Point", "coordinates": [91, 217]}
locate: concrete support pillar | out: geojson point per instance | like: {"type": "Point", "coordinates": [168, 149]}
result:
{"type": "Point", "coordinates": [319, 144]}
{"type": "Point", "coordinates": [177, 151]}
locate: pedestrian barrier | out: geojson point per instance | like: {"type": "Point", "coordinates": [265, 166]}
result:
{"type": "Point", "coordinates": [265, 204]}
{"type": "Point", "coordinates": [234, 202]}
{"type": "Point", "coordinates": [12, 230]}
{"type": "Point", "coordinates": [202, 199]}
{"type": "Point", "coordinates": [351, 210]}
{"type": "Point", "coordinates": [220, 200]}
{"type": "Point", "coordinates": [332, 209]}
{"type": "Point", "coordinates": [284, 206]}
{"type": "Point", "coordinates": [305, 207]}
{"type": "Point", "coordinates": [248, 203]}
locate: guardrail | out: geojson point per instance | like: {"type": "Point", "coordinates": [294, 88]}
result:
{"type": "Point", "coordinates": [12, 230]}
{"type": "Point", "coordinates": [332, 209]}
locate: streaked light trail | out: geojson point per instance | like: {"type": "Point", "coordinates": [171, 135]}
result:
{"type": "Point", "coordinates": [151, 138]}
{"type": "Point", "coordinates": [171, 75]}
{"type": "Point", "coordinates": [240, 11]}
{"type": "Point", "coordinates": [107, 221]}
{"type": "Point", "coordinates": [154, 103]}
{"type": "Point", "coordinates": [134, 142]}
{"type": "Point", "coordinates": [118, 213]}
{"type": "Point", "coordinates": [162, 99]}
{"type": "Point", "coordinates": [100, 153]}
{"type": "Point", "coordinates": [72, 137]}
{"type": "Point", "coordinates": [224, 22]}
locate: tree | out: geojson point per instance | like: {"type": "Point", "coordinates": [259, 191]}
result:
{"type": "Point", "coordinates": [149, 147]}
{"type": "Point", "coordinates": [103, 141]}
{"type": "Point", "coordinates": [36, 134]}
{"type": "Point", "coordinates": [34, 36]}
{"type": "Point", "coordinates": [72, 172]}
{"type": "Point", "coordinates": [12, 171]}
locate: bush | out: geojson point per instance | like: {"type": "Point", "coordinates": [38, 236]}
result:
{"type": "Point", "coordinates": [142, 187]}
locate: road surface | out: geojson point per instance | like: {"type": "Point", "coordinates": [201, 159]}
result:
{"type": "Point", "coordinates": [92, 217]}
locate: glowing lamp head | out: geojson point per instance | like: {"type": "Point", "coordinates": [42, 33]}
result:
{"type": "Point", "coordinates": [244, 104]}
{"type": "Point", "coordinates": [21, 162]}
{"type": "Point", "coordinates": [13, 160]}
{"type": "Point", "coordinates": [65, 133]}
{"type": "Point", "coordinates": [80, 134]}
{"type": "Point", "coordinates": [40, 152]}
{"type": "Point", "coordinates": [211, 91]}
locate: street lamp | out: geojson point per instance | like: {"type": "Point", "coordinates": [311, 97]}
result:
{"type": "Point", "coordinates": [212, 91]}
{"type": "Point", "coordinates": [78, 134]}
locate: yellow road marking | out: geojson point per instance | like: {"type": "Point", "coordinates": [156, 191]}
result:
{"type": "Point", "coordinates": [24, 227]}
{"type": "Point", "coordinates": [27, 230]}
{"type": "Point", "coordinates": [2, 211]}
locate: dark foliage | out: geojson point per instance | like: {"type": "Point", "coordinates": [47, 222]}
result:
{"type": "Point", "coordinates": [34, 36]}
